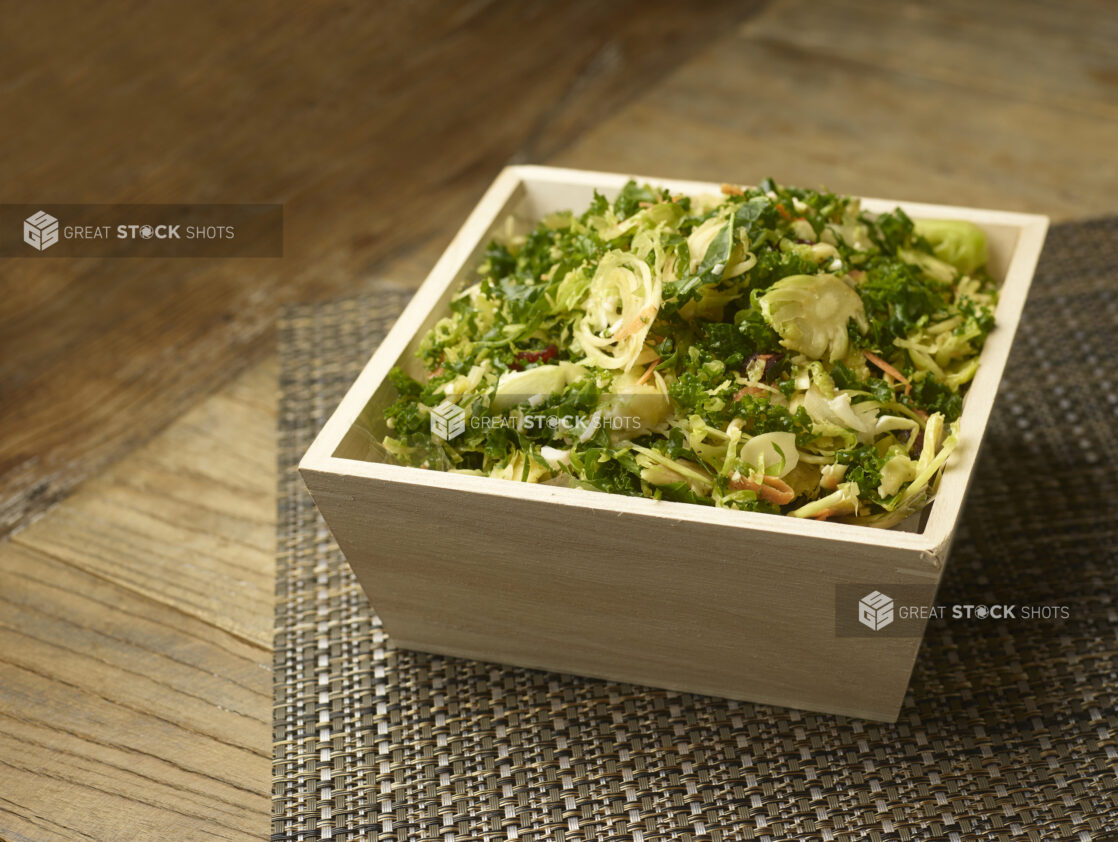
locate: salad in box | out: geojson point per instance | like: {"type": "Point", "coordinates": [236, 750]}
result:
{"type": "Point", "coordinates": [770, 349]}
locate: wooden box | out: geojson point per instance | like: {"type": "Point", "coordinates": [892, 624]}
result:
{"type": "Point", "coordinates": [673, 595]}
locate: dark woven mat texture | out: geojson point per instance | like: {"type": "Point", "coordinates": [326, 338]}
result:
{"type": "Point", "coordinates": [1008, 730]}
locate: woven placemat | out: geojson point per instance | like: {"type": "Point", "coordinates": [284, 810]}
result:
{"type": "Point", "coordinates": [1007, 731]}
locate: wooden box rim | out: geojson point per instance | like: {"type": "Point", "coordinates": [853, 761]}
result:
{"type": "Point", "coordinates": [933, 541]}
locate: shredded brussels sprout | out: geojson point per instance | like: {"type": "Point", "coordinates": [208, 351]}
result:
{"type": "Point", "coordinates": [772, 349]}
{"type": "Point", "coordinates": [812, 313]}
{"type": "Point", "coordinates": [959, 243]}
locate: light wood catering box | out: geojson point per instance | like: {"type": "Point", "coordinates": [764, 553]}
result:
{"type": "Point", "coordinates": [673, 595]}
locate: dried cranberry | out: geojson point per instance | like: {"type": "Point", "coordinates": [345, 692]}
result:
{"type": "Point", "coordinates": [537, 356]}
{"type": "Point", "coordinates": [772, 364]}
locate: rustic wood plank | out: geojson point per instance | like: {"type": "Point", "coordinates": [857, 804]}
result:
{"type": "Point", "coordinates": [1056, 55]}
{"type": "Point", "coordinates": [135, 639]}
{"type": "Point", "coordinates": [376, 131]}
{"type": "Point", "coordinates": [940, 103]}
{"type": "Point", "coordinates": [122, 718]}
{"type": "Point", "coordinates": [189, 518]}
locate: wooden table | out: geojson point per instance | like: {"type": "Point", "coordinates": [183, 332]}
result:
{"type": "Point", "coordinates": [135, 615]}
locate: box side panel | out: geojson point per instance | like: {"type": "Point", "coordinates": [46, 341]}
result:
{"type": "Point", "coordinates": [677, 604]}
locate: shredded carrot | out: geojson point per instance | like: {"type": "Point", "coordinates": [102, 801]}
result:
{"type": "Point", "coordinates": [823, 515]}
{"type": "Point", "coordinates": [748, 390]}
{"type": "Point", "coordinates": [888, 369]}
{"type": "Point", "coordinates": [648, 371]}
{"type": "Point", "coordinates": [642, 318]}
{"type": "Point", "coordinates": [781, 210]}
{"type": "Point", "coordinates": [732, 190]}
{"type": "Point", "coordinates": [435, 373]}
{"type": "Point", "coordinates": [773, 489]}
{"type": "Point", "coordinates": [644, 204]}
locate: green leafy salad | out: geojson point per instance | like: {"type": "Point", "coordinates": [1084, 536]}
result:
{"type": "Point", "coordinates": [771, 349]}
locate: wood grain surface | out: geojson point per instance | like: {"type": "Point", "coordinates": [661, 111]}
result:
{"type": "Point", "coordinates": [1012, 106]}
{"type": "Point", "coordinates": [375, 130]}
{"type": "Point", "coordinates": [135, 639]}
{"type": "Point", "coordinates": [135, 618]}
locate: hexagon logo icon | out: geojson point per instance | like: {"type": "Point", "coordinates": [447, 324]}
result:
{"type": "Point", "coordinates": [448, 420]}
{"type": "Point", "coordinates": [40, 230]}
{"type": "Point", "coordinates": [875, 610]}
